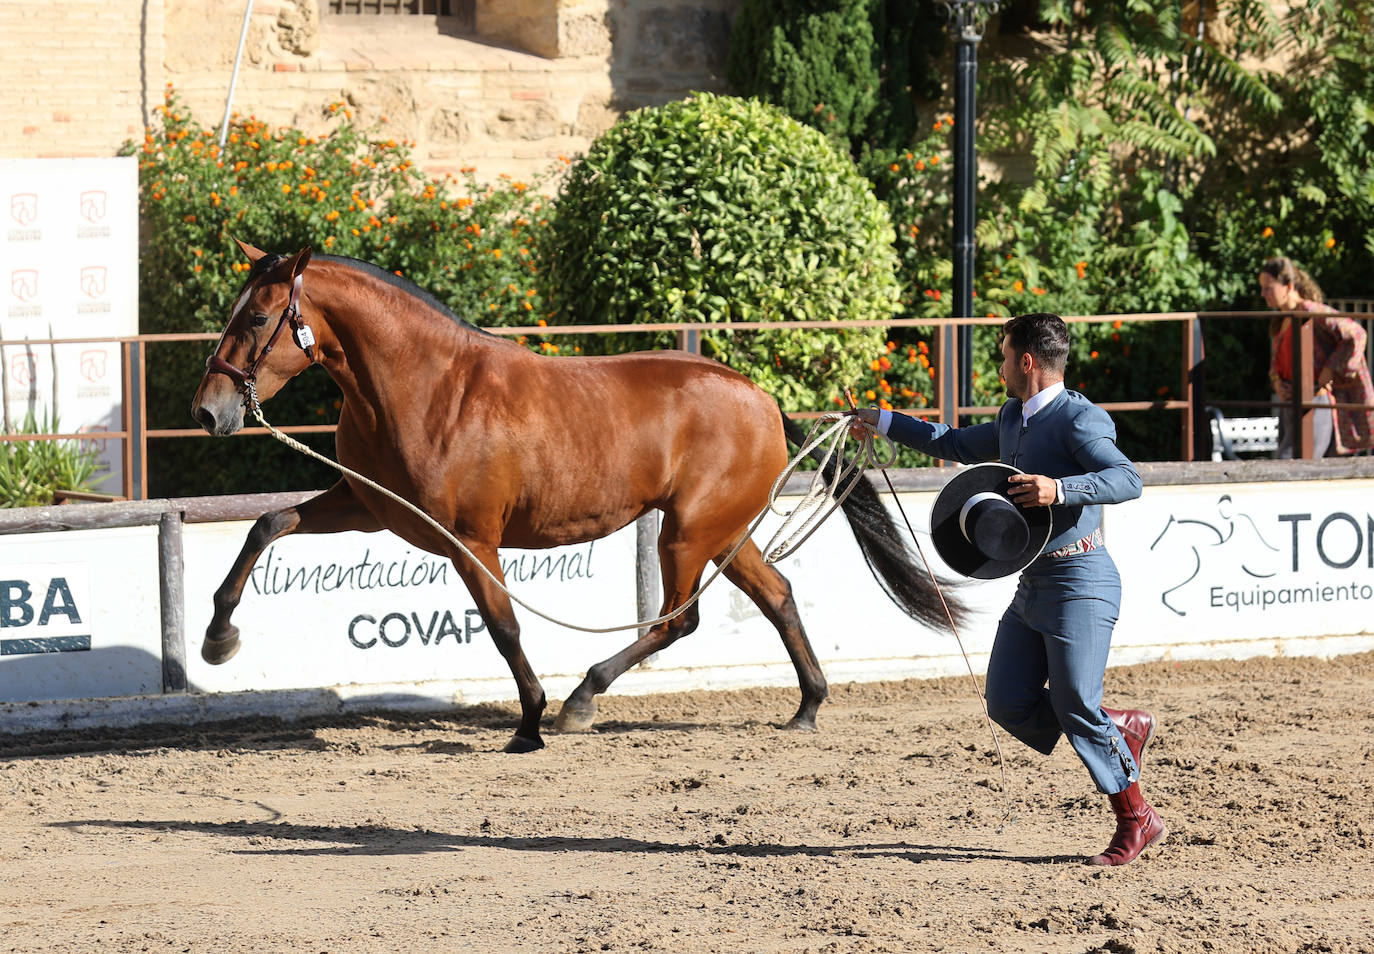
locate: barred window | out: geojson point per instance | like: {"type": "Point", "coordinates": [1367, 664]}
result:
{"type": "Point", "coordinates": [441, 8]}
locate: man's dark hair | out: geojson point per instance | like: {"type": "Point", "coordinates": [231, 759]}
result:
{"type": "Point", "coordinates": [1042, 335]}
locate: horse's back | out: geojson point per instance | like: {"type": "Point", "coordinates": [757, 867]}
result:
{"type": "Point", "coordinates": [599, 440]}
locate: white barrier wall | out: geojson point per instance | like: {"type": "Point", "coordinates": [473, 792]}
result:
{"type": "Point", "coordinates": [1209, 570]}
{"type": "Point", "coordinates": [79, 615]}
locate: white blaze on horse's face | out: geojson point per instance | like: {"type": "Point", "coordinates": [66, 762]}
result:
{"type": "Point", "coordinates": [219, 401]}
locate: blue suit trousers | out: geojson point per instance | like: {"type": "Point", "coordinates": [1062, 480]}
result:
{"type": "Point", "coordinates": [1045, 675]}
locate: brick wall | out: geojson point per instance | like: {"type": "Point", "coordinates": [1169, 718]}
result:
{"type": "Point", "coordinates": [82, 76]}
{"type": "Point", "coordinates": [77, 75]}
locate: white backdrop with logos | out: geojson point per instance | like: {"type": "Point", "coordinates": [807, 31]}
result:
{"type": "Point", "coordinates": [69, 260]}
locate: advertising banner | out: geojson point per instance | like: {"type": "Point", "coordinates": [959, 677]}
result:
{"type": "Point", "coordinates": [79, 615]}
{"type": "Point", "coordinates": [69, 263]}
{"type": "Point", "coordinates": [352, 608]}
{"type": "Point", "coordinates": [1208, 571]}
{"type": "Point", "coordinates": [1264, 566]}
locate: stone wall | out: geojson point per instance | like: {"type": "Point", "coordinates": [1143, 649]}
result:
{"type": "Point", "coordinates": [531, 81]}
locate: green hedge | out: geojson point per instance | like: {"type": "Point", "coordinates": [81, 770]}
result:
{"type": "Point", "coordinates": [716, 209]}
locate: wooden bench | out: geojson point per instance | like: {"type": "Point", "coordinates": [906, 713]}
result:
{"type": "Point", "coordinates": [1236, 436]}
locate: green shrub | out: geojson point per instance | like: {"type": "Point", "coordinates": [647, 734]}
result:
{"type": "Point", "coordinates": [851, 68]}
{"type": "Point", "coordinates": [473, 246]}
{"type": "Point", "coordinates": [30, 471]}
{"type": "Point", "coordinates": [715, 209]}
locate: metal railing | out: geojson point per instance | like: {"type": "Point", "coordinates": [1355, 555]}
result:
{"type": "Point", "coordinates": [1195, 436]}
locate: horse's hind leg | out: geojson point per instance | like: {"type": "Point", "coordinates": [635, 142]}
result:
{"type": "Point", "coordinates": [330, 512]}
{"type": "Point", "coordinates": [772, 594]}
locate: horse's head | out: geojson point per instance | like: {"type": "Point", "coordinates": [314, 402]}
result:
{"type": "Point", "coordinates": [267, 310]}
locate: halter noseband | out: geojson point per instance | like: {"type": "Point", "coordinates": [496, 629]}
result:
{"type": "Point", "coordinates": [290, 314]}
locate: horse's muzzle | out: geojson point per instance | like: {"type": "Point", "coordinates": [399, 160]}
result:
{"type": "Point", "coordinates": [219, 418]}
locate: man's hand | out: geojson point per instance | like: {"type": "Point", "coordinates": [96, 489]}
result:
{"type": "Point", "coordinates": [1032, 490]}
{"type": "Point", "coordinates": [859, 417]}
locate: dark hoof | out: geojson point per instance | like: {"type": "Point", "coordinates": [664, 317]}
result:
{"type": "Point", "coordinates": [520, 744]}
{"type": "Point", "coordinates": [801, 724]}
{"type": "Point", "coordinates": [574, 718]}
{"type": "Point", "coordinates": [217, 650]}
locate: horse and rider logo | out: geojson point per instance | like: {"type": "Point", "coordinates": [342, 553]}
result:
{"type": "Point", "coordinates": [94, 364]}
{"type": "Point", "coordinates": [92, 205]}
{"type": "Point", "coordinates": [24, 208]}
{"type": "Point", "coordinates": [93, 280]}
{"type": "Point", "coordinates": [1229, 539]}
{"type": "Point", "coordinates": [22, 369]}
{"type": "Point", "coordinates": [24, 284]}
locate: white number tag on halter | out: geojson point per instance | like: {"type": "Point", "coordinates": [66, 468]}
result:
{"type": "Point", "coordinates": [304, 337]}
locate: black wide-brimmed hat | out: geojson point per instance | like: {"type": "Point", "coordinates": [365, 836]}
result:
{"type": "Point", "coordinates": [977, 529]}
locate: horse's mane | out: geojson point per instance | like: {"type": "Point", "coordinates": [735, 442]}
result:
{"type": "Point", "coordinates": [404, 284]}
{"type": "Point", "coordinates": [265, 264]}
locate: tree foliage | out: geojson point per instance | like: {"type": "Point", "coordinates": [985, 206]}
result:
{"type": "Point", "coordinates": [717, 209]}
{"type": "Point", "coordinates": [854, 69]}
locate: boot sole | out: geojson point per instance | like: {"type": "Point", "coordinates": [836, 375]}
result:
{"type": "Point", "coordinates": [1163, 831]}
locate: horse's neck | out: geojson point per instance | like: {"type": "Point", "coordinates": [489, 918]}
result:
{"type": "Point", "coordinates": [389, 341]}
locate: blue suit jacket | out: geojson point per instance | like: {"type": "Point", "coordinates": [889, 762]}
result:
{"type": "Point", "coordinates": [1070, 439]}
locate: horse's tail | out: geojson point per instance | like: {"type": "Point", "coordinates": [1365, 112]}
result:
{"type": "Point", "coordinates": [898, 570]}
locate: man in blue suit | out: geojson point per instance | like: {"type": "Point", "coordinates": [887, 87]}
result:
{"type": "Point", "coordinates": [1045, 673]}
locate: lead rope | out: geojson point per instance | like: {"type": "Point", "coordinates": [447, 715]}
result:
{"type": "Point", "coordinates": [810, 512]}
{"type": "Point", "coordinates": [1009, 816]}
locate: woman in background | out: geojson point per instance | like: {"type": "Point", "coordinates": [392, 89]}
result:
{"type": "Point", "coordinates": [1339, 370]}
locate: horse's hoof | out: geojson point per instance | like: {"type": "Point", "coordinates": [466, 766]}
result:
{"type": "Point", "coordinates": [220, 649]}
{"type": "Point", "coordinates": [799, 724]}
{"type": "Point", "coordinates": [572, 718]}
{"type": "Point", "coordinates": [520, 744]}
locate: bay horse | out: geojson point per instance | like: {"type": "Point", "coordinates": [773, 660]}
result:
{"type": "Point", "coordinates": [507, 448]}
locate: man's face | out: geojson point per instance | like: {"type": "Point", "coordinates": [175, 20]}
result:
{"type": "Point", "coordinates": [1013, 372]}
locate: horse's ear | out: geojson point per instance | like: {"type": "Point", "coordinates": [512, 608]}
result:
{"type": "Point", "coordinates": [251, 252]}
{"type": "Point", "coordinates": [301, 260]}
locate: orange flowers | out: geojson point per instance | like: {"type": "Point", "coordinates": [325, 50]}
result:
{"type": "Point", "coordinates": [1267, 232]}
{"type": "Point", "coordinates": [1081, 268]}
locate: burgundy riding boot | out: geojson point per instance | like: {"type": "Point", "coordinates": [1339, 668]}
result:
{"type": "Point", "coordinates": [1137, 828]}
{"type": "Point", "coordinates": [1137, 727]}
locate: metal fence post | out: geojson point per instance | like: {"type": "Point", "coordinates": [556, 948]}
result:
{"type": "Point", "coordinates": [1196, 433]}
{"type": "Point", "coordinates": [137, 479]}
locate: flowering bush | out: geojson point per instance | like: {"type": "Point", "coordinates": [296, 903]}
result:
{"type": "Point", "coordinates": [473, 246]}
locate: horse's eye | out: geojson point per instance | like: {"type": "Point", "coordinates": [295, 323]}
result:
{"type": "Point", "coordinates": [259, 320]}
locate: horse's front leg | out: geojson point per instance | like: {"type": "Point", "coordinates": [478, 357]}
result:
{"type": "Point", "coordinates": [335, 510]}
{"type": "Point", "coordinates": [497, 613]}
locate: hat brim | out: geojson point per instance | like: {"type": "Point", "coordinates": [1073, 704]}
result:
{"type": "Point", "coordinates": [954, 548]}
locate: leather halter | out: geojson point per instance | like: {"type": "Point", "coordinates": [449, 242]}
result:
{"type": "Point", "coordinates": [291, 314]}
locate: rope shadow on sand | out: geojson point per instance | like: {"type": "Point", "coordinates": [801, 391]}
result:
{"type": "Point", "coordinates": [382, 840]}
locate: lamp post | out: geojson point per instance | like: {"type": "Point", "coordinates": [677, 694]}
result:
{"type": "Point", "coordinates": [967, 19]}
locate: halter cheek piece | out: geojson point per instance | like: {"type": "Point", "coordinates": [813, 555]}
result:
{"type": "Point", "coordinates": [245, 378]}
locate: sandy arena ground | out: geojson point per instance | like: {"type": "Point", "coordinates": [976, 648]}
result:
{"type": "Point", "coordinates": [691, 823]}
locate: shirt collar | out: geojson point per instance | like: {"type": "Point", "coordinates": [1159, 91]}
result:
{"type": "Point", "coordinates": [1039, 399]}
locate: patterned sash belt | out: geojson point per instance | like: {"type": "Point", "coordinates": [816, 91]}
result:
{"type": "Point", "coordinates": [1091, 542]}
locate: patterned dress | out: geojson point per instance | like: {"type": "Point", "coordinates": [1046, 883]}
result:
{"type": "Point", "coordinates": [1338, 345]}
